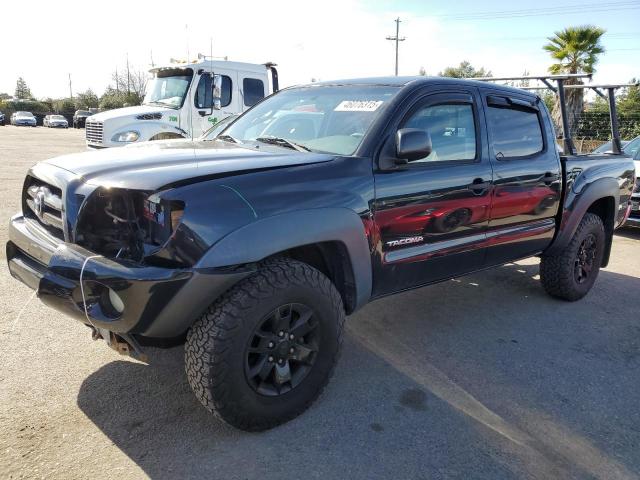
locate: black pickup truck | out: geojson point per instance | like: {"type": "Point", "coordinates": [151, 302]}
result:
{"type": "Point", "coordinates": [254, 246]}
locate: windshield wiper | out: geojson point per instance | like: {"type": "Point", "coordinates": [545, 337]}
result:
{"type": "Point", "coordinates": [283, 142]}
{"type": "Point", "coordinates": [227, 138]}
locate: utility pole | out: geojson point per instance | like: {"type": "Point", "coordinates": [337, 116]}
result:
{"type": "Point", "coordinates": [128, 78]}
{"type": "Point", "coordinates": [152, 64]}
{"type": "Point", "coordinates": [117, 81]}
{"type": "Point", "coordinates": [397, 39]}
{"type": "Point", "coordinates": [70, 90]}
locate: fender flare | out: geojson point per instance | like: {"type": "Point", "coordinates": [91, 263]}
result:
{"type": "Point", "coordinates": [577, 204]}
{"type": "Point", "coordinates": [268, 236]}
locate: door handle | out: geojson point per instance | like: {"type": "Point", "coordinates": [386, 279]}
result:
{"type": "Point", "coordinates": [478, 186]}
{"type": "Point", "coordinates": [550, 178]}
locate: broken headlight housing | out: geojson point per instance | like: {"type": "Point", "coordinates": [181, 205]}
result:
{"type": "Point", "coordinates": [127, 224]}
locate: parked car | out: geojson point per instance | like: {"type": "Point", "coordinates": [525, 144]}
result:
{"type": "Point", "coordinates": [255, 246]}
{"type": "Point", "coordinates": [80, 118]}
{"type": "Point", "coordinates": [23, 118]}
{"type": "Point", "coordinates": [55, 121]}
{"type": "Point", "coordinates": [634, 215]}
{"type": "Point", "coordinates": [629, 147]}
{"type": "Point", "coordinates": [1, 119]}
{"type": "Point", "coordinates": [606, 147]}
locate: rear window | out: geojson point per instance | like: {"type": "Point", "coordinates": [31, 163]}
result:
{"type": "Point", "coordinates": [515, 132]}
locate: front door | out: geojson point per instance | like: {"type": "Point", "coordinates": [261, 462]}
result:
{"type": "Point", "coordinates": [431, 216]}
{"type": "Point", "coordinates": [203, 115]}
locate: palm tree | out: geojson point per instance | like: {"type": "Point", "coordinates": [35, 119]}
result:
{"type": "Point", "coordinates": [576, 50]}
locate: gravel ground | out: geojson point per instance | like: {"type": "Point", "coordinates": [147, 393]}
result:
{"type": "Point", "coordinates": [480, 377]}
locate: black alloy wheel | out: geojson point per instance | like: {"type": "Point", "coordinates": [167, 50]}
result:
{"type": "Point", "coordinates": [585, 258]}
{"type": "Point", "coordinates": [282, 350]}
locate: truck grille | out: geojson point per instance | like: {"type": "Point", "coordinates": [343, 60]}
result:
{"type": "Point", "coordinates": [93, 132]}
{"type": "Point", "coordinates": [43, 203]}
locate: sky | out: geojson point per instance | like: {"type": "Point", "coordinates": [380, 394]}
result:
{"type": "Point", "coordinates": [319, 40]}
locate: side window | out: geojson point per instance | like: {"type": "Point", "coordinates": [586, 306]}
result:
{"type": "Point", "coordinates": [515, 132]}
{"type": "Point", "coordinates": [452, 129]}
{"type": "Point", "coordinates": [203, 97]}
{"type": "Point", "coordinates": [227, 88]}
{"type": "Point", "coordinates": [253, 90]}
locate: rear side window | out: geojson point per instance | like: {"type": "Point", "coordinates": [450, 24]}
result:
{"type": "Point", "coordinates": [253, 90]}
{"type": "Point", "coordinates": [515, 132]}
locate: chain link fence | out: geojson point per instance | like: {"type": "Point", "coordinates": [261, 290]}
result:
{"type": "Point", "coordinates": [592, 129]}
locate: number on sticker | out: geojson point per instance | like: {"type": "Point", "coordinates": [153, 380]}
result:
{"type": "Point", "coordinates": [358, 106]}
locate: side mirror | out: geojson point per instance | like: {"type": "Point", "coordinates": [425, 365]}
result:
{"type": "Point", "coordinates": [412, 144]}
{"type": "Point", "coordinates": [217, 92]}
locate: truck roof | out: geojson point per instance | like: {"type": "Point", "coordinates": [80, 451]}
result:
{"type": "Point", "coordinates": [213, 64]}
{"type": "Point", "coordinates": [403, 81]}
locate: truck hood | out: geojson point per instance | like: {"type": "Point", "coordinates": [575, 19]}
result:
{"type": "Point", "coordinates": [158, 165]}
{"type": "Point", "coordinates": [128, 112]}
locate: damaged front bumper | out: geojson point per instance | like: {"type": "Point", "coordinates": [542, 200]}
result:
{"type": "Point", "coordinates": [155, 302]}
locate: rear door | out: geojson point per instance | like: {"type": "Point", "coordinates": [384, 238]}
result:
{"type": "Point", "coordinates": [432, 215]}
{"type": "Point", "coordinates": [527, 176]}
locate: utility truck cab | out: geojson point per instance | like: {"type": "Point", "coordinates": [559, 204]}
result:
{"type": "Point", "coordinates": [183, 100]}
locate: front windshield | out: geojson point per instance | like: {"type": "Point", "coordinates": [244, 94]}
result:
{"type": "Point", "coordinates": [331, 119]}
{"type": "Point", "coordinates": [57, 117]}
{"type": "Point", "coordinates": [169, 88]}
{"type": "Point", "coordinates": [24, 114]}
{"type": "Point", "coordinates": [83, 112]}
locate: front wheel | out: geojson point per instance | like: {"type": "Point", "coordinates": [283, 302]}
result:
{"type": "Point", "coordinates": [264, 351]}
{"type": "Point", "coordinates": [570, 274]}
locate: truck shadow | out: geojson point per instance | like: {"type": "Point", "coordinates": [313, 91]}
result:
{"type": "Point", "coordinates": [631, 233]}
{"type": "Point", "coordinates": [482, 376]}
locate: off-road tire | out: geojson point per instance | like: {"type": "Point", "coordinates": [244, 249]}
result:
{"type": "Point", "coordinates": [557, 272]}
{"type": "Point", "coordinates": [216, 346]}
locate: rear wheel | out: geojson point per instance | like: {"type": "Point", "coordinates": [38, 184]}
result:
{"type": "Point", "coordinates": [264, 351]}
{"type": "Point", "coordinates": [570, 274]}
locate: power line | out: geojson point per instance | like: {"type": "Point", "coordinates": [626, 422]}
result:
{"type": "Point", "coordinates": [567, 9]}
{"type": "Point", "coordinates": [397, 39]}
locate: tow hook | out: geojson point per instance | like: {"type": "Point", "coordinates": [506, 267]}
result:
{"type": "Point", "coordinates": [122, 343]}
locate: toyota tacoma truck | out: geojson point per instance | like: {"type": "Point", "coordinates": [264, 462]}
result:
{"type": "Point", "coordinates": [253, 247]}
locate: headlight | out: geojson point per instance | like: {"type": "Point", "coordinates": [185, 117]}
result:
{"type": "Point", "coordinates": [130, 136]}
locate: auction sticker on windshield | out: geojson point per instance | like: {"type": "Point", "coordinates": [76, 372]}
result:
{"type": "Point", "coordinates": [358, 106]}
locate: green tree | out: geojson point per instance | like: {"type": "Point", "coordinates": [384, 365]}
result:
{"type": "Point", "coordinates": [87, 99]}
{"type": "Point", "coordinates": [64, 105]}
{"type": "Point", "coordinates": [629, 99]}
{"type": "Point", "coordinates": [575, 50]}
{"type": "Point", "coordinates": [112, 98]}
{"type": "Point", "coordinates": [4, 96]}
{"type": "Point", "coordinates": [22, 90]}
{"type": "Point", "coordinates": [465, 70]}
